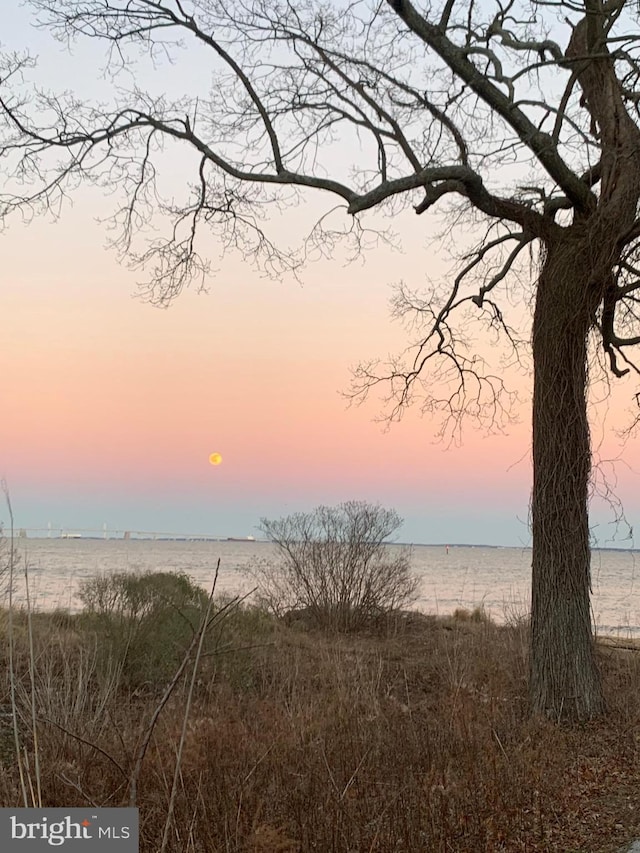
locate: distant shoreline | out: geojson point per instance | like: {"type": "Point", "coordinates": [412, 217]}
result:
{"type": "Point", "coordinates": [239, 540]}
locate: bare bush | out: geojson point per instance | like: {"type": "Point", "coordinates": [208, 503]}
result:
{"type": "Point", "coordinates": [333, 567]}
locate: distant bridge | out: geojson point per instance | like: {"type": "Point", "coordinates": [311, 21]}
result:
{"type": "Point", "coordinates": [110, 533]}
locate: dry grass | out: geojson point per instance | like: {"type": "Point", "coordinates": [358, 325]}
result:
{"type": "Point", "coordinates": [414, 739]}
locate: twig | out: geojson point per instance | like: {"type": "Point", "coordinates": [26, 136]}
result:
{"type": "Point", "coordinates": [86, 743]}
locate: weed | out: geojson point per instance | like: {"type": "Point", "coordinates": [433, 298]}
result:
{"type": "Point", "coordinates": [281, 740]}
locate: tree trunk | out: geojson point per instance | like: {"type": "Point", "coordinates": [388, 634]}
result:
{"type": "Point", "coordinates": [564, 683]}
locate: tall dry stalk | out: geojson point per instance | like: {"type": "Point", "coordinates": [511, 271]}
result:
{"type": "Point", "coordinates": [36, 795]}
{"type": "Point", "coordinates": [32, 679]}
{"type": "Point", "coordinates": [12, 670]}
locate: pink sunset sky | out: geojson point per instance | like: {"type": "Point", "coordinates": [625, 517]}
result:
{"type": "Point", "coordinates": [111, 407]}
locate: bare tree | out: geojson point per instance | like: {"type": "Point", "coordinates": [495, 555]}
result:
{"type": "Point", "coordinates": [334, 564]}
{"type": "Point", "coordinates": [519, 116]}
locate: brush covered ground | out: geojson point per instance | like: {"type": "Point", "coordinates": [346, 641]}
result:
{"type": "Point", "coordinates": [412, 737]}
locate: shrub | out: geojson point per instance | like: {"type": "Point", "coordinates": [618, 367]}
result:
{"type": "Point", "coordinates": [146, 620]}
{"type": "Point", "coordinates": [478, 614]}
{"type": "Point", "coordinates": [334, 567]}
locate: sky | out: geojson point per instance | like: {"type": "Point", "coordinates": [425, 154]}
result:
{"type": "Point", "coordinates": [112, 407]}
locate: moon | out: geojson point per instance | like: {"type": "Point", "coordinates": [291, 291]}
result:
{"type": "Point", "coordinates": [215, 459]}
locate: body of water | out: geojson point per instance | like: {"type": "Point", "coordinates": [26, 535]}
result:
{"type": "Point", "coordinates": [462, 576]}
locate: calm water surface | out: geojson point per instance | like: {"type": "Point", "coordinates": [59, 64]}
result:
{"type": "Point", "coordinates": [497, 578]}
